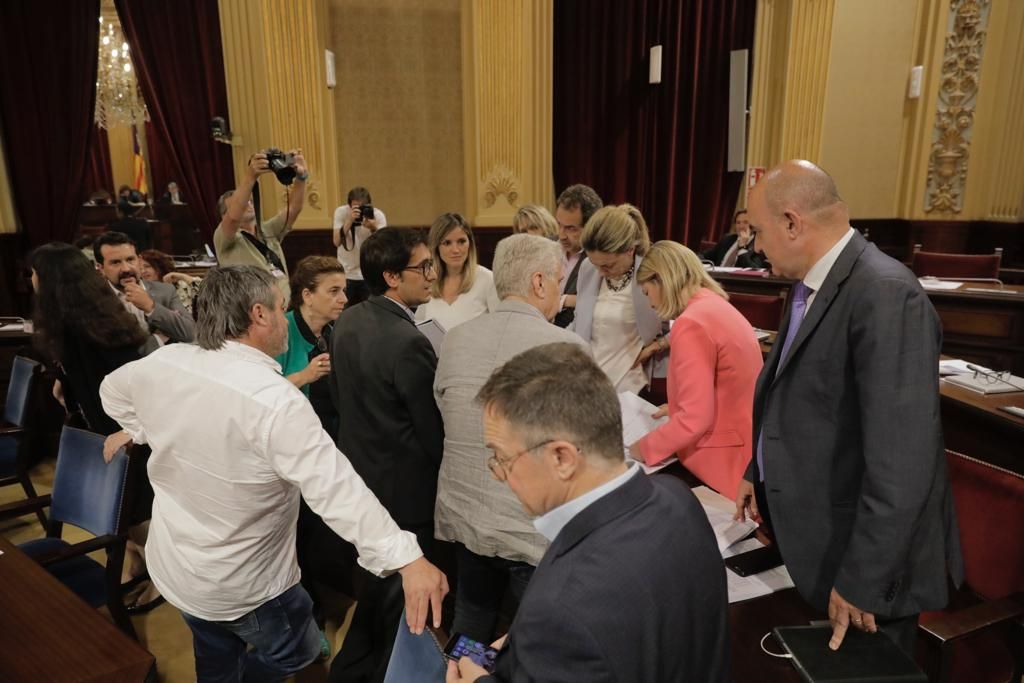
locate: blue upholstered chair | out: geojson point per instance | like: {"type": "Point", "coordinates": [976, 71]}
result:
{"type": "Point", "coordinates": [13, 463]}
{"type": "Point", "coordinates": [87, 493]}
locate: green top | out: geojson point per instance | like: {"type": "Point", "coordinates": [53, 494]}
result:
{"type": "Point", "coordinates": [297, 356]}
{"type": "Point", "coordinates": [238, 251]}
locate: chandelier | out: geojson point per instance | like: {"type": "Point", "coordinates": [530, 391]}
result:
{"type": "Point", "coordinates": [118, 101]}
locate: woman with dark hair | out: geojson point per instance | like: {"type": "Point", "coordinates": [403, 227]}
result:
{"type": "Point", "coordinates": [86, 333]}
{"type": "Point", "coordinates": [156, 266]}
{"type": "Point", "coordinates": [82, 329]}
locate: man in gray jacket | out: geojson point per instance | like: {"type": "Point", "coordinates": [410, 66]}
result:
{"type": "Point", "coordinates": [155, 304]}
{"type": "Point", "coordinates": [498, 545]}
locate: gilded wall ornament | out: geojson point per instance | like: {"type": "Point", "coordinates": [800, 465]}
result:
{"type": "Point", "coordinates": [954, 115]}
{"type": "Point", "coordinates": [312, 195]}
{"type": "Point", "coordinates": [501, 181]}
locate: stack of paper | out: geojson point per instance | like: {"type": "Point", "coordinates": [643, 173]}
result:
{"type": "Point", "coordinates": [956, 366]}
{"type": "Point", "coordinates": [638, 423]}
{"type": "Point", "coordinates": [932, 283]}
{"type": "Point", "coordinates": [732, 540]}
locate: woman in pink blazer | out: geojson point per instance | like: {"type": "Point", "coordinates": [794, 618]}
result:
{"type": "Point", "coordinates": [714, 362]}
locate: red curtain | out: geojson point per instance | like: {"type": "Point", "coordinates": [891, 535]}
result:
{"type": "Point", "coordinates": [98, 175]}
{"type": "Point", "coordinates": [161, 168]}
{"type": "Point", "coordinates": [177, 53]}
{"type": "Point", "coordinates": [47, 94]}
{"type": "Point", "coordinates": [661, 147]}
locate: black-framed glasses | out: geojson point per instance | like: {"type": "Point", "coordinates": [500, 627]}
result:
{"type": "Point", "coordinates": [423, 268]}
{"type": "Point", "coordinates": [993, 376]}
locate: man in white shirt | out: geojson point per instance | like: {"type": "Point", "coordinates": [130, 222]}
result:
{"type": "Point", "coordinates": [155, 304]}
{"type": "Point", "coordinates": [234, 445]}
{"type": "Point", "coordinates": [353, 223]}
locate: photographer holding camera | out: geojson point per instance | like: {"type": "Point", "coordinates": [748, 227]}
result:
{"type": "Point", "coordinates": [240, 240]}
{"type": "Point", "coordinates": [353, 223]}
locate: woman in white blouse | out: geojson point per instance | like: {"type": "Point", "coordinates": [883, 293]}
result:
{"type": "Point", "coordinates": [612, 312]}
{"type": "Point", "coordinates": [463, 289]}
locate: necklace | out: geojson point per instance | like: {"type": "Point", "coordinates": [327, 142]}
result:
{"type": "Point", "coordinates": [617, 284]}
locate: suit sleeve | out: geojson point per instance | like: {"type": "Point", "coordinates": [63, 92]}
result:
{"type": "Point", "coordinates": [173, 319]}
{"type": "Point", "coordinates": [414, 382]}
{"type": "Point", "coordinates": [693, 358]}
{"type": "Point", "coordinates": [895, 342]}
{"type": "Point", "coordinates": [563, 650]}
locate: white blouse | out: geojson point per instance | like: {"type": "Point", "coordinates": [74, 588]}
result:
{"type": "Point", "coordinates": [481, 298]}
{"type": "Point", "coordinates": [615, 340]}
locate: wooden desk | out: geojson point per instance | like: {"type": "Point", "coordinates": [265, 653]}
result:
{"type": "Point", "coordinates": [972, 424]}
{"type": "Point", "coordinates": [49, 634]}
{"type": "Point", "coordinates": [981, 327]}
{"type": "Point", "coordinates": [750, 620]}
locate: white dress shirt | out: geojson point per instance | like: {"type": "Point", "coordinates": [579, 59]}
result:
{"type": "Point", "coordinates": [815, 277]}
{"type": "Point", "coordinates": [233, 445]}
{"type": "Point", "coordinates": [348, 253]}
{"type": "Point", "coordinates": [481, 298]}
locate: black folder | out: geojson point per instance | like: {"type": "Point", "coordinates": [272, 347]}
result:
{"type": "Point", "coordinates": [868, 657]}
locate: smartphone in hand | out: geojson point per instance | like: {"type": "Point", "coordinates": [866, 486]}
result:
{"type": "Point", "coordinates": [460, 646]}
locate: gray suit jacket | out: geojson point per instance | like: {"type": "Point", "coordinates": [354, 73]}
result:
{"type": "Point", "coordinates": [648, 324]}
{"type": "Point", "coordinates": [472, 508]}
{"type": "Point", "coordinates": [170, 315]}
{"type": "Point", "coordinates": [855, 471]}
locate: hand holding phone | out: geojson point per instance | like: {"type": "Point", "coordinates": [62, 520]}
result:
{"type": "Point", "coordinates": [460, 646]}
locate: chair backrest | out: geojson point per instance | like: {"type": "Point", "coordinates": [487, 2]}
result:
{"type": "Point", "coordinates": [707, 245]}
{"type": "Point", "coordinates": [87, 492]}
{"type": "Point", "coordinates": [23, 372]}
{"type": "Point", "coordinates": [762, 311]}
{"type": "Point", "coordinates": [990, 510]}
{"type": "Point", "coordinates": [925, 263]}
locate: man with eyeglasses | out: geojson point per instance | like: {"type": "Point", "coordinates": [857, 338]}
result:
{"type": "Point", "coordinates": [498, 548]}
{"type": "Point", "coordinates": [382, 371]}
{"type": "Point", "coordinates": [574, 207]}
{"type": "Point", "coordinates": [632, 587]}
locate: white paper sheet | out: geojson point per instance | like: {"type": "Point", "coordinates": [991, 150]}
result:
{"type": "Point", "coordinates": [720, 510]}
{"type": "Point", "coordinates": [956, 366]}
{"type": "Point", "coordinates": [638, 423]}
{"type": "Point", "coordinates": [747, 587]}
{"type": "Point", "coordinates": [932, 283]}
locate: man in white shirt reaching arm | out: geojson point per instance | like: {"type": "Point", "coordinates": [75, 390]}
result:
{"type": "Point", "coordinates": [234, 444]}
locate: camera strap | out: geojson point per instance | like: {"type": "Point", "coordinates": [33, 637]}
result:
{"type": "Point", "coordinates": [272, 259]}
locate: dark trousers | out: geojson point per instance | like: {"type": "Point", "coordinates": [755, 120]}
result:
{"type": "Point", "coordinates": [367, 647]}
{"type": "Point", "coordinates": [902, 631]}
{"type": "Point", "coordinates": [481, 588]}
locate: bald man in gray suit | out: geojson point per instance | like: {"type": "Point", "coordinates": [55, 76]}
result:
{"type": "Point", "coordinates": [849, 462]}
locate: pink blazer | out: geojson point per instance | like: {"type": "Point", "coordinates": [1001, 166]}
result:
{"type": "Point", "coordinates": [713, 365]}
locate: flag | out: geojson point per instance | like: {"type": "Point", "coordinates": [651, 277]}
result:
{"type": "Point", "coordinates": [138, 164]}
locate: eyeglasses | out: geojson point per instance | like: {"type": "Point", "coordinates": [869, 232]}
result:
{"type": "Point", "coordinates": [423, 268]}
{"type": "Point", "coordinates": [500, 469]}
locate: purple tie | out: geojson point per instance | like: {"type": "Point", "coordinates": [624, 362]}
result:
{"type": "Point", "coordinates": [796, 316]}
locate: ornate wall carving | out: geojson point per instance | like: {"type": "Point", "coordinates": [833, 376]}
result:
{"type": "Point", "coordinates": [954, 115]}
{"type": "Point", "coordinates": [501, 181]}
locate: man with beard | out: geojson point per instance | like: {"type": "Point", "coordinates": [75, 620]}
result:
{"type": "Point", "coordinates": [155, 304]}
{"type": "Point", "coordinates": [574, 207]}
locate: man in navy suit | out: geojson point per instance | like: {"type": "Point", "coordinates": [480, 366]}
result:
{"type": "Point", "coordinates": [382, 371]}
{"type": "Point", "coordinates": [849, 461]}
{"type": "Point", "coordinates": [632, 587]}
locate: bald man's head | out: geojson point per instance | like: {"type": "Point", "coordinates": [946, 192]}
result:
{"type": "Point", "coordinates": [796, 214]}
{"type": "Point", "coordinates": [800, 185]}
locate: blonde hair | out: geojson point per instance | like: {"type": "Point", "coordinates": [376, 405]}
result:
{"type": "Point", "coordinates": [534, 216]}
{"type": "Point", "coordinates": [444, 224]}
{"type": "Point", "coordinates": [617, 229]}
{"type": "Point", "coordinates": [681, 275]}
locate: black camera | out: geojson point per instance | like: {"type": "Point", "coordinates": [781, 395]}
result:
{"type": "Point", "coordinates": [282, 164]}
{"type": "Point", "coordinates": [365, 213]}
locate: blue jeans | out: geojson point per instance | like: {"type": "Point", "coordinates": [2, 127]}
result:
{"type": "Point", "coordinates": [281, 631]}
{"type": "Point", "coordinates": [415, 659]}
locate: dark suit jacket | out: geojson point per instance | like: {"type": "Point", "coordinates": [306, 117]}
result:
{"type": "Point", "coordinates": [382, 369]}
{"type": "Point", "coordinates": [565, 316]}
{"type": "Point", "coordinates": [748, 258]}
{"type": "Point", "coordinates": [632, 589]}
{"type": "Point", "coordinates": [855, 472]}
